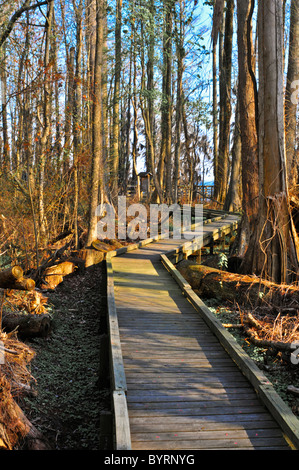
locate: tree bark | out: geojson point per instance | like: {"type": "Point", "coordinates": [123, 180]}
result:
{"type": "Point", "coordinates": [12, 278]}
{"type": "Point", "coordinates": [214, 283]}
{"type": "Point", "coordinates": [10, 275]}
{"type": "Point", "coordinates": [150, 88]}
{"type": "Point", "coordinates": [134, 102]}
{"type": "Point", "coordinates": [167, 100]}
{"type": "Point", "coordinates": [225, 105]}
{"type": "Point", "coordinates": [291, 101]}
{"type": "Point", "coordinates": [116, 101]}
{"type": "Point", "coordinates": [28, 325]}
{"type": "Point", "coordinates": [215, 115]}
{"type": "Point", "coordinates": [46, 128]}
{"type": "Point", "coordinates": [91, 46]}
{"type": "Point", "coordinates": [77, 91]}
{"type": "Point", "coordinates": [98, 189]}
{"type": "Point", "coordinates": [247, 97]}
{"type": "Point", "coordinates": [5, 159]}
{"type": "Point", "coordinates": [164, 164]}
{"type": "Point", "coordinates": [233, 200]}
{"type": "Point", "coordinates": [180, 53]}
{"type": "Point", "coordinates": [273, 245]}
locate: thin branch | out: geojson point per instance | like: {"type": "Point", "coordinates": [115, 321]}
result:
{"type": "Point", "coordinates": [17, 15]}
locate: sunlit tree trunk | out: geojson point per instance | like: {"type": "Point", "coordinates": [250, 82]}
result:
{"type": "Point", "coordinates": [150, 159]}
{"type": "Point", "coordinates": [233, 199]}
{"type": "Point", "coordinates": [3, 74]}
{"type": "Point", "coordinates": [180, 53]}
{"type": "Point", "coordinates": [46, 128]}
{"type": "Point", "coordinates": [77, 135]}
{"type": "Point", "coordinates": [225, 104]}
{"type": "Point", "coordinates": [98, 192]}
{"type": "Point", "coordinates": [215, 115]}
{"type": "Point", "coordinates": [90, 46]}
{"type": "Point", "coordinates": [291, 99]}
{"type": "Point", "coordinates": [116, 102]}
{"type": "Point", "coordinates": [135, 105]}
{"type": "Point", "coordinates": [248, 102]}
{"type": "Point", "coordinates": [146, 102]}
{"type": "Point", "coordinates": [272, 250]}
{"type": "Point", "coordinates": [166, 108]}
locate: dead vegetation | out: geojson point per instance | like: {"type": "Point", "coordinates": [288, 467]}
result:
{"type": "Point", "coordinates": [16, 382]}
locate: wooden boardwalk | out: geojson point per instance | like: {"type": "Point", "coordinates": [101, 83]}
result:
{"type": "Point", "coordinates": [183, 389]}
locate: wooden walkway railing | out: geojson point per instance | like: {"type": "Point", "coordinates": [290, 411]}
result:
{"type": "Point", "coordinates": [179, 379]}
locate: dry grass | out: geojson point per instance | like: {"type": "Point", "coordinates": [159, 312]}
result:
{"type": "Point", "coordinates": [276, 329]}
{"type": "Point", "coordinates": [15, 380]}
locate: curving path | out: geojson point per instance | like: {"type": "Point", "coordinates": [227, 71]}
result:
{"type": "Point", "coordinates": [183, 389]}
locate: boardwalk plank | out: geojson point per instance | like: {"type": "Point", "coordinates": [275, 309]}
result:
{"type": "Point", "coordinates": [183, 389]}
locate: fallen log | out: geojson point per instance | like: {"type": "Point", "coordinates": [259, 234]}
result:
{"type": "Point", "coordinates": [12, 278]}
{"type": "Point", "coordinates": [23, 284]}
{"type": "Point", "coordinates": [89, 256]}
{"type": "Point", "coordinates": [214, 283]}
{"type": "Point", "coordinates": [28, 325]}
{"type": "Point", "coordinates": [10, 275]}
{"type": "Point", "coordinates": [54, 274]}
{"type": "Point", "coordinates": [102, 246]}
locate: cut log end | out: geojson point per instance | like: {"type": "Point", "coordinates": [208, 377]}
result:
{"type": "Point", "coordinates": [17, 272]}
{"type": "Point", "coordinates": [12, 278]}
{"type": "Point", "coordinates": [24, 284]}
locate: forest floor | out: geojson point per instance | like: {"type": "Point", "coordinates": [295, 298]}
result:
{"type": "Point", "coordinates": [70, 398]}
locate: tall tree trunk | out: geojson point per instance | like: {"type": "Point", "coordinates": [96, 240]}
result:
{"type": "Point", "coordinates": [166, 108]}
{"type": "Point", "coordinates": [5, 161]}
{"type": "Point", "coordinates": [116, 101]}
{"type": "Point", "coordinates": [90, 46]}
{"type": "Point", "coordinates": [77, 90]}
{"type": "Point", "coordinates": [219, 116]}
{"type": "Point", "coordinates": [272, 250]}
{"type": "Point", "coordinates": [98, 191]}
{"type": "Point", "coordinates": [233, 199]}
{"type": "Point", "coordinates": [178, 120]}
{"type": "Point", "coordinates": [134, 103]}
{"type": "Point", "coordinates": [126, 167]}
{"type": "Point", "coordinates": [146, 106]}
{"type": "Point", "coordinates": [248, 106]}
{"type": "Point", "coordinates": [21, 80]}
{"type": "Point", "coordinates": [215, 116]}
{"type": "Point", "coordinates": [291, 101]}
{"type": "Point", "coordinates": [150, 86]}
{"type": "Point", "coordinates": [225, 103]}
{"type": "Point", "coordinates": [46, 127]}
{"type": "Point", "coordinates": [57, 146]}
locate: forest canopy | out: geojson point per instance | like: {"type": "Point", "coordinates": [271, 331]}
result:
{"type": "Point", "coordinates": [93, 92]}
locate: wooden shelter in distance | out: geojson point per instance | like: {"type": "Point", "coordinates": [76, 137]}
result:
{"type": "Point", "coordinates": [144, 184]}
